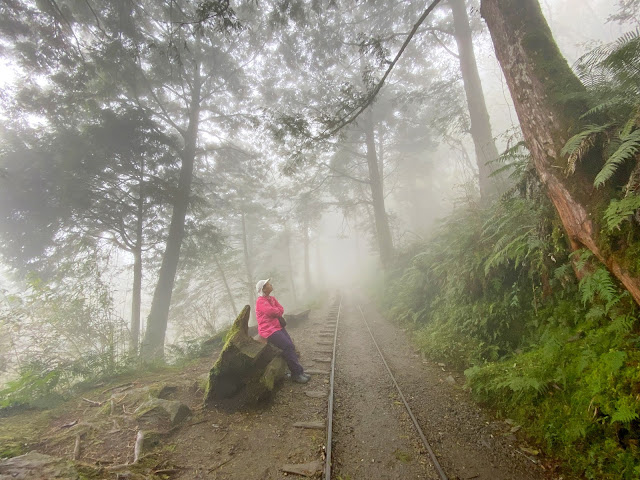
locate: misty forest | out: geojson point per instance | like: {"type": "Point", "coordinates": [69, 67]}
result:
{"type": "Point", "coordinates": [467, 171]}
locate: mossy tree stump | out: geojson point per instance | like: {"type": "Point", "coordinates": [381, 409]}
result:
{"type": "Point", "coordinates": [246, 371]}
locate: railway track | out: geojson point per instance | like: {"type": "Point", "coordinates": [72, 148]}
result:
{"type": "Point", "coordinates": [333, 321]}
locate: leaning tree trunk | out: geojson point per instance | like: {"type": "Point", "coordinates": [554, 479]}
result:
{"type": "Point", "coordinates": [153, 343]}
{"type": "Point", "coordinates": [543, 88]}
{"type": "Point", "coordinates": [383, 232]}
{"type": "Point", "coordinates": [485, 147]}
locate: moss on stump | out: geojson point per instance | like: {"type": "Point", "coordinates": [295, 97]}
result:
{"type": "Point", "coordinates": [246, 372]}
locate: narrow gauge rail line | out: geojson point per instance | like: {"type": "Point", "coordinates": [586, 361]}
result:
{"type": "Point", "coordinates": [434, 459]}
{"type": "Point", "coordinates": [327, 465]}
{"type": "Point", "coordinates": [327, 460]}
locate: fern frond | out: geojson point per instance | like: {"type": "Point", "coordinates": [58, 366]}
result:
{"type": "Point", "coordinates": [620, 210]}
{"type": "Point", "coordinates": [608, 105]}
{"type": "Point", "coordinates": [627, 150]}
{"type": "Point", "coordinates": [633, 185]}
{"type": "Point", "coordinates": [624, 414]}
{"type": "Point", "coordinates": [578, 145]}
{"type": "Point", "coordinates": [622, 324]}
{"type": "Point", "coordinates": [562, 271]}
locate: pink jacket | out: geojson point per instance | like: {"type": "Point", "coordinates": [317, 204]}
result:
{"type": "Point", "coordinates": [267, 312]}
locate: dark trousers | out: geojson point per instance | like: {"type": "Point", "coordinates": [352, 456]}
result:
{"type": "Point", "coordinates": [282, 340]}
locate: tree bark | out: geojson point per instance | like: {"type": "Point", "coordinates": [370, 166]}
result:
{"type": "Point", "coordinates": [485, 147]}
{"type": "Point", "coordinates": [383, 232]}
{"type": "Point", "coordinates": [541, 84]}
{"type": "Point", "coordinates": [153, 343]}
{"type": "Point", "coordinates": [287, 233]}
{"type": "Point", "coordinates": [136, 300]}
{"type": "Point", "coordinates": [136, 295]}
{"type": "Point", "coordinates": [307, 265]}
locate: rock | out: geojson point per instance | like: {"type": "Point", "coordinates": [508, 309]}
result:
{"type": "Point", "coordinates": [34, 465]}
{"type": "Point", "coordinates": [305, 469]}
{"type": "Point", "coordinates": [315, 393]}
{"type": "Point", "coordinates": [246, 372]}
{"type": "Point", "coordinates": [320, 425]}
{"type": "Point", "coordinates": [162, 391]}
{"type": "Point", "coordinates": [159, 409]}
{"type": "Point", "coordinates": [450, 380]}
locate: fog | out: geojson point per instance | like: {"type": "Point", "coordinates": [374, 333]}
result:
{"type": "Point", "coordinates": [263, 204]}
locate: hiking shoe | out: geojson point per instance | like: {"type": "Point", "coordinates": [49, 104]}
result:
{"type": "Point", "coordinates": [306, 375]}
{"type": "Point", "coordinates": [300, 378]}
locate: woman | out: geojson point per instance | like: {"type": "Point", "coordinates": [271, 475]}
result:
{"type": "Point", "coordinates": [271, 326]}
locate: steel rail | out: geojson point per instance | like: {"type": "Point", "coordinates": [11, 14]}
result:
{"type": "Point", "coordinates": [327, 460]}
{"type": "Point", "coordinates": [434, 459]}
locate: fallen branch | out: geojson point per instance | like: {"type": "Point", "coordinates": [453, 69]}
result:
{"type": "Point", "coordinates": [137, 449]}
{"type": "Point", "coordinates": [93, 403]}
{"type": "Point", "coordinates": [68, 425]}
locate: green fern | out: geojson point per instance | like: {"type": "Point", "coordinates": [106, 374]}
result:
{"type": "Point", "coordinates": [578, 145]}
{"type": "Point", "coordinates": [620, 210]}
{"type": "Point", "coordinates": [627, 150]}
{"type": "Point", "coordinates": [599, 283]}
{"type": "Point", "coordinates": [621, 325]}
{"type": "Point", "coordinates": [625, 411]}
{"type": "Point", "coordinates": [613, 361]}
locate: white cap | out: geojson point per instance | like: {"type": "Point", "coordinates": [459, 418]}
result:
{"type": "Point", "coordinates": [260, 284]}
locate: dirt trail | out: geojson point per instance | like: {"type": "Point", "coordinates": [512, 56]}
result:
{"type": "Point", "coordinates": [466, 441]}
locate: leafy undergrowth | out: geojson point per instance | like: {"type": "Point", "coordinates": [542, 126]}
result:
{"type": "Point", "coordinates": [494, 293]}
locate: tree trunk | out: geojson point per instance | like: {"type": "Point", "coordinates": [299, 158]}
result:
{"type": "Point", "coordinates": [248, 267]}
{"type": "Point", "coordinates": [320, 280]}
{"type": "Point", "coordinates": [307, 266]}
{"type": "Point", "coordinates": [226, 286]}
{"type": "Point", "coordinates": [136, 295]}
{"type": "Point", "coordinates": [287, 233]}
{"type": "Point", "coordinates": [485, 147]}
{"type": "Point", "coordinates": [542, 84]}
{"type": "Point", "coordinates": [383, 232]}
{"type": "Point", "coordinates": [136, 300]}
{"type": "Point", "coordinates": [153, 344]}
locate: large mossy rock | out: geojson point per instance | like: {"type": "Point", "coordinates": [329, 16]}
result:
{"type": "Point", "coordinates": [157, 410]}
{"type": "Point", "coordinates": [246, 372]}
